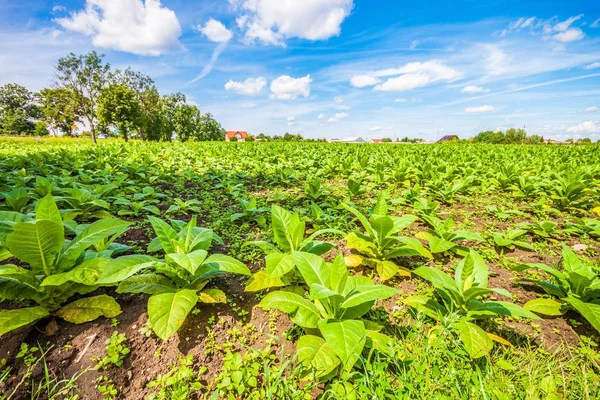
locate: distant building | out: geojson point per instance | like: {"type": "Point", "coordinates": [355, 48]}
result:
{"type": "Point", "coordinates": [353, 140]}
{"type": "Point", "coordinates": [377, 140]}
{"type": "Point", "coordinates": [448, 138]}
{"type": "Point", "coordinates": [236, 136]}
{"type": "Point", "coordinates": [335, 140]}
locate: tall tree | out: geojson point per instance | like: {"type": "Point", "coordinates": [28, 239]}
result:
{"type": "Point", "coordinates": [18, 110]}
{"type": "Point", "coordinates": [118, 106]}
{"type": "Point", "coordinates": [186, 119]}
{"type": "Point", "coordinates": [208, 129]}
{"type": "Point", "coordinates": [147, 96]}
{"type": "Point", "coordinates": [59, 109]}
{"type": "Point", "coordinates": [84, 76]}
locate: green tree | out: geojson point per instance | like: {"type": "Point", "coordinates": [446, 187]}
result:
{"type": "Point", "coordinates": [386, 140]}
{"type": "Point", "coordinates": [186, 119]}
{"type": "Point", "coordinates": [514, 136]}
{"type": "Point", "coordinates": [118, 106]}
{"type": "Point", "coordinates": [84, 76]}
{"type": "Point", "coordinates": [209, 129]}
{"type": "Point", "coordinates": [59, 109]}
{"type": "Point", "coordinates": [18, 110]}
{"type": "Point", "coordinates": [490, 137]}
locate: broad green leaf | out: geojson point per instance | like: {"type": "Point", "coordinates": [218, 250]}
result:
{"type": "Point", "coordinates": [382, 226]}
{"type": "Point", "coordinates": [318, 292]}
{"type": "Point", "coordinates": [14, 319]}
{"type": "Point", "coordinates": [168, 311]}
{"type": "Point", "coordinates": [548, 307]}
{"type": "Point", "coordinates": [17, 283]}
{"type": "Point", "coordinates": [347, 339]}
{"type": "Point", "coordinates": [89, 309]}
{"type": "Point", "coordinates": [437, 278]}
{"type": "Point", "coordinates": [266, 247]}
{"type": "Point", "coordinates": [338, 273]}
{"type": "Point", "coordinates": [437, 245]}
{"type": "Point", "coordinates": [312, 268]}
{"type": "Point", "coordinates": [315, 352]}
{"type": "Point", "coordinates": [476, 341]}
{"type": "Point", "coordinates": [353, 241]}
{"type": "Point", "coordinates": [288, 229]}
{"type": "Point", "coordinates": [146, 283]}
{"type": "Point", "coordinates": [36, 244]}
{"type": "Point", "coordinates": [87, 273]}
{"type": "Point", "coordinates": [46, 209]}
{"type": "Point", "coordinates": [227, 264]}
{"type": "Point", "coordinates": [416, 246]}
{"type": "Point", "coordinates": [262, 280]}
{"type": "Point", "coordinates": [119, 269]}
{"type": "Point", "coordinates": [426, 305]}
{"type": "Point", "coordinates": [279, 264]}
{"type": "Point", "coordinates": [363, 220]}
{"type": "Point", "coordinates": [379, 341]}
{"type": "Point", "coordinates": [189, 261]}
{"type": "Point", "coordinates": [165, 234]}
{"type": "Point", "coordinates": [493, 308]}
{"type": "Point", "coordinates": [403, 222]}
{"type": "Point", "coordinates": [471, 271]}
{"type": "Point", "coordinates": [388, 269]}
{"type": "Point", "coordinates": [212, 296]}
{"type": "Point", "coordinates": [92, 234]}
{"type": "Point", "coordinates": [365, 293]}
{"type": "Point", "coordinates": [301, 311]}
{"type": "Point", "coordinates": [589, 311]}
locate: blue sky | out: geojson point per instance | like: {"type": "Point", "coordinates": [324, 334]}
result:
{"type": "Point", "coordinates": [336, 68]}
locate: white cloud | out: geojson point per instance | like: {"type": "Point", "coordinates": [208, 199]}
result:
{"type": "Point", "coordinates": [361, 81]}
{"type": "Point", "coordinates": [321, 116]}
{"type": "Point", "coordinates": [592, 66]}
{"type": "Point", "coordinates": [570, 35]}
{"type": "Point", "coordinates": [591, 109]}
{"type": "Point", "coordinates": [376, 129]}
{"type": "Point", "coordinates": [291, 120]}
{"type": "Point", "coordinates": [411, 76]}
{"type": "Point", "coordinates": [477, 110]}
{"type": "Point", "coordinates": [273, 21]}
{"type": "Point", "coordinates": [58, 9]}
{"type": "Point", "coordinates": [134, 26]}
{"type": "Point", "coordinates": [287, 88]}
{"type": "Point", "coordinates": [519, 24]}
{"type": "Point", "coordinates": [585, 127]}
{"type": "Point", "coordinates": [400, 100]}
{"type": "Point", "coordinates": [337, 117]}
{"type": "Point", "coordinates": [211, 63]}
{"type": "Point", "coordinates": [595, 24]}
{"type": "Point", "coordinates": [564, 25]}
{"type": "Point", "coordinates": [215, 31]}
{"type": "Point", "coordinates": [413, 44]}
{"type": "Point", "coordinates": [472, 89]}
{"type": "Point", "coordinates": [249, 87]}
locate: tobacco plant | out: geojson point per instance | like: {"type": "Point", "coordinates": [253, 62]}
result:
{"type": "Point", "coordinates": [576, 287]}
{"type": "Point", "coordinates": [443, 238]}
{"type": "Point", "coordinates": [179, 282]}
{"type": "Point", "coordinates": [460, 302]}
{"type": "Point", "coordinates": [54, 269]}
{"type": "Point", "coordinates": [331, 315]}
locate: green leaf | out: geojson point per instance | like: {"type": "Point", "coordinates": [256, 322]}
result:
{"type": "Point", "coordinates": [89, 309]}
{"type": "Point", "coordinates": [301, 311]}
{"type": "Point", "coordinates": [416, 246]}
{"type": "Point", "coordinates": [363, 220]}
{"type": "Point", "coordinates": [146, 283]}
{"type": "Point", "coordinates": [338, 273]}
{"type": "Point", "coordinates": [14, 319]}
{"type": "Point", "coordinates": [312, 268]}
{"type": "Point", "coordinates": [212, 296]}
{"type": "Point", "coordinates": [262, 280]}
{"type": "Point", "coordinates": [379, 341]}
{"type": "Point", "coordinates": [471, 271]}
{"type": "Point", "coordinates": [319, 292]}
{"type": "Point", "coordinates": [426, 305]}
{"type": "Point", "coordinates": [386, 269]}
{"type": "Point", "coordinates": [589, 311]}
{"type": "Point", "coordinates": [278, 264]}
{"type": "Point", "coordinates": [493, 308]}
{"type": "Point", "coordinates": [288, 230]}
{"type": "Point", "coordinates": [476, 341]}
{"type": "Point", "coordinates": [366, 293]}
{"type": "Point", "coordinates": [91, 235]}
{"type": "Point", "coordinates": [168, 311]}
{"type": "Point", "coordinates": [548, 307]}
{"type": "Point", "coordinates": [189, 262]}
{"type": "Point", "coordinates": [87, 273]}
{"type": "Point", "coordinates": [121, 268]}
{"type": "Point", "coordinates": [363, 246]}
{"type": "Point", "coordinates": [437, 245]}
{"type": "Point", "coordinates": [347, 339]}
{"type": "Point", "coordinates": [437, 278]}
{"type": "Point", "coordinates": [382, 226]}
{"type": "Point", "coordinates": [36, 244]}
{"type": "Point", "coordinates": [165, 234]}
{"type": "Point", "coordinates": [227, 264]}
{"type": "Point", "coordinates": [46, 209]}
{"type": "Point", "coordinates": [17, 283]}
{"type": "Point", "coordinates": [315, 352]}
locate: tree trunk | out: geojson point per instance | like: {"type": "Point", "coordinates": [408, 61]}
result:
{"type": "Point", "coordinates": [93, 130]}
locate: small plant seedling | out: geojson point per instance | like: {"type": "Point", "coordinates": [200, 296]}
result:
{"type": "Point", "coordinates": [116, 351]}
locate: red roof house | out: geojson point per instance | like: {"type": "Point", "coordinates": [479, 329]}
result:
{"type": "Point", "coordinates": [238, 136]}
{"type": "Point", "coordinates": [377, 140]}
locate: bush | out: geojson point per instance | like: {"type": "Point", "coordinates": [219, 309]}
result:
{"type": "Point", "coordinates": [41, 129]}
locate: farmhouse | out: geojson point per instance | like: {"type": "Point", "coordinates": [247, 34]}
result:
{"type": "Point", "coordinates": [236, 136]}
{"type": "Point", "coordinates": [353, 140]}
{"type": "Point", "coordinates": [377, 140]}
{"type": "Point", "coordinates": [448, 138]}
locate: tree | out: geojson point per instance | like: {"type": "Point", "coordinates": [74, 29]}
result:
{"type": "Point", "coordinates": [208, 129]}
{"type": "Point", "coordinates": [84, 77]}
{"type": "Point", "coordinates": [490, 137]}
{"type": "Point", "coordinates": [147, 95]}
{"type": "Point", "coordinates": [186, 119]}
{"type": "Point", "coordinates": [18, 110]}
{"type": "Point", "coordinates": [118, 106]}
{"type": "Point", "coordinates": [386, 140]}
{"type": "Point", "coordinates": [59, 108]}
{"type": "Point", "coordinates": [513, 136]}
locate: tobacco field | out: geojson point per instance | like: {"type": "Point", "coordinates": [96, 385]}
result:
{"type": "Point", "coordinates": [298, 271]}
